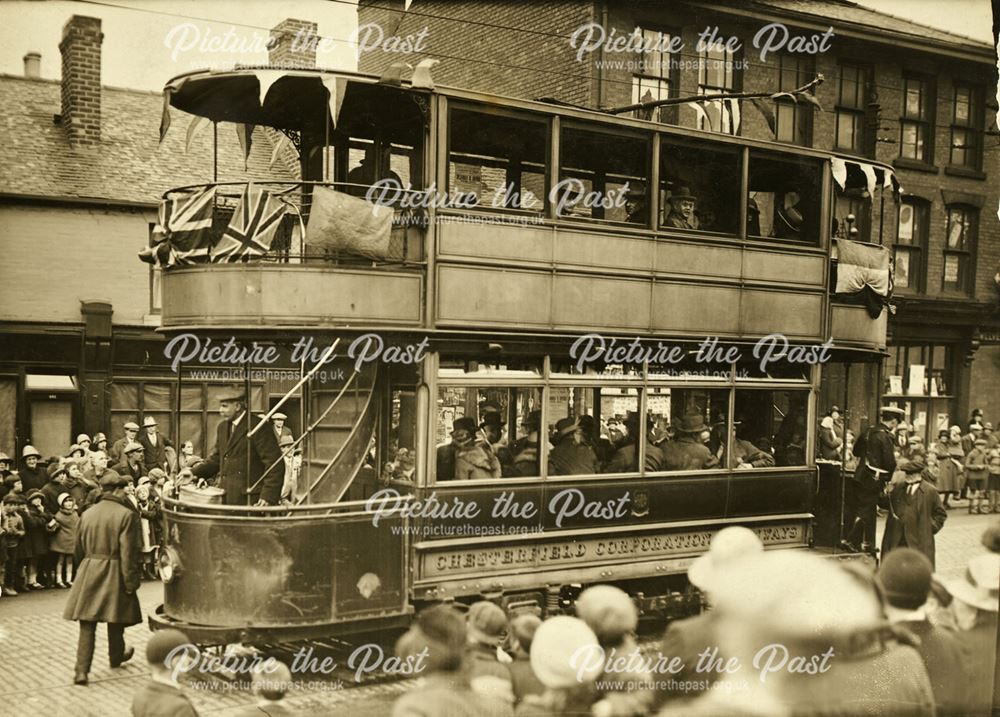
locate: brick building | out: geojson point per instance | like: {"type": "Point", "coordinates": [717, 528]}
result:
{"type": "Point", "coordinates": [81, 175]}
{"type": "Point", "coordinates": [913, 96]}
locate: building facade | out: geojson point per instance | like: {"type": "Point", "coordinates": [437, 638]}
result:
{"type": "Point", "coordinates": [893, 90]}
{"type": "Point", "coordinates": [82, 172]}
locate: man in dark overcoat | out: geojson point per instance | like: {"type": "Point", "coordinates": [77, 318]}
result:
{"type": "Point", "coordinates": [108, 548]}
{"type": "Point", "coordinates": [229, 460]}
{"type": "Point", "coordinates": [154, 446]}
{"type": "Point", "coordinates": [915, 516]}
{"type": "Point", "coordinates": [876, 464]}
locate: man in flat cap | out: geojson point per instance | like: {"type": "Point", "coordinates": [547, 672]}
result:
{"type": "Point", "coordinates": [117, 452]}
{"type": "Point", "coordinates": [875, 450]}
{"type": "Point", "coordinates": [229, 460]}
{"type": "Point", "coordinates": [107, 552]}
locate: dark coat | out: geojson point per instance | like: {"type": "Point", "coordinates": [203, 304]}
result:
{"type": "Point", "coordinates": [914, 519]}
{"type": "Point", "coordinates": [523, 679]}
{"type": "Point", "coordinates": [35, 542]}
{"type": "Point", "coordinates": [686, 640]}
{"type": "Point", "coordinates": [572, 459]}
{"type": "Point", "coordinates": [52, 490]}
{"type": "Point", "coordinates": [979, 645]}
{"type": "Point", "coordinates": [229, 462]}
{"type": "Point", "coordinates": [153, 456]}
{"type": "Point", "coordinates": [944, 660]}
{"type": "Point", "coordinates": [687, 453]}
{"type": "Point", "coordinates": [155, 699]}
{"type": "Point", "coordinates": [875, 451]}
{"type": "Point", "coordinates": [33, 479]}
{"type": "Point", "coordinates": [125, 469]}
{"type": "Point", "coordinates": [107, 552]}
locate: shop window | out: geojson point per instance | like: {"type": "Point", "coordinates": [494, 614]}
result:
{"type": "Point", "coordinates": [699, 186]}
{"type": "Point", "coordinates": [967, 127]}
{"type": "Point", "coordinates": [960, 250]}
{"type": "Point", "coordinates": [496, 161]}
{"type": "Point", "coordinates": [917, 122]}
{"type": "Point", "coordinates": [598, 170]}
{"type": "Point", "coordinates": [793, 120]}
{"type": "Point", "coordinates": [852, 91]}
{"type": "Point", "coordinates": [657, 75]}
{"type": "Point", "coordinates": [784, 197]}
{"type": "Point", "coordinates": [911, 244]}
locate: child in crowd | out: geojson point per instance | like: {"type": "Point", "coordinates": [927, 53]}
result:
{"type": "Point", "coordinates": [34, 548]}
{"type": "Point", "coordinates": [487, 628]}
{"type": "Point", "coordinates": [63, 542]}
{"type": "Point", "coordinates": [270, 683]}
{"type": "Point", "coordinates": [12, 522]}
{"type": "Point", "coordinates": [148, 503]}
{"type": "Point", "coordinates": [933, 469]}
{"type": "Point", "coordinates": [994, 480]}
{"type": "Point", "coordinates": [569, 681]}
{"type": "Point", "coordinates": [976, 474]}
{"type": "Point", "coordinates": [162, 695]}
{"type": "Point", "coordinates": [522, 676]}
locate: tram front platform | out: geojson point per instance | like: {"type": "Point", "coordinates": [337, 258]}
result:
{"type": "Point", "coordinates": [38, 647]}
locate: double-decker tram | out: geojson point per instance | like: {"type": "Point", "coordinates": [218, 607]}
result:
{"type": "Point", "coordinates": [570, 349]}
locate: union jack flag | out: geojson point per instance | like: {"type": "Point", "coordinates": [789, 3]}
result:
{"type": "Point", "coordinates": [183, 231]}
{"type": "Point", "coordinates": [251, 230]}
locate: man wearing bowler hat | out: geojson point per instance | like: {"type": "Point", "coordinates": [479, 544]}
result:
{"type": "Point", "coordinates": [682, 204]}
{"type": "Point", "coordinates": [229, 459]}
{"type": "Point", "coordinates": [875, 450]}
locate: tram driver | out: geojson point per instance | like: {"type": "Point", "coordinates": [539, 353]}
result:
{"type": "Point", "coordinates": [228, 462]}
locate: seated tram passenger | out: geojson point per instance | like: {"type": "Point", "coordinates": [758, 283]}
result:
{"type": "Point", "coordinates": [524, 451]}
{"type": "Point", "coordinates": [682, 204]}
{"type": "Point", "coordinates": [571, 455]}
{"type": "Point", "coordinates": [474, 460]}
{"type": "Point", "coordinates": [626, 459]}
{"type": "Point", "coordinates": [687, 451]}
{"type": "Point", "coordinates": [745, 454]}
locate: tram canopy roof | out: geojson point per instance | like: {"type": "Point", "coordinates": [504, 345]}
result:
{"type": "Point", "coordinates": [297, 100]}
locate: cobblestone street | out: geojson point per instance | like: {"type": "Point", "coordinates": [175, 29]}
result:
{"type": "Point", "coordinates": [37, 648]}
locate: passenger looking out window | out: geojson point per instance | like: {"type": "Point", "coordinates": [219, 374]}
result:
{"type": "Point", "coordinates": [687, 451]}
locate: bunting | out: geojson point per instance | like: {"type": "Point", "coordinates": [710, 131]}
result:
{"type": "Point", "coordinates": [244, 133]}
{"type": "Point", "coordinates": [702, 114]}
{"type": "Point", "coordinates": [765, 111]}
{"type": "Point", "coordinates": [734, 115]}
{"type": "Point", "coordinates": [266, 78]}
{"type": "Point", "coordinates": [839, 168]}
{"type": "Point", "coordinates": [196, 126]}
{"type": "Point", "coordinates": [335, 88]}
{"type": "Point", "coordinates": [165, 116]}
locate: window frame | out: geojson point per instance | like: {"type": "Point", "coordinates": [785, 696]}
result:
{"type": "Point", "coordinates": [857, 112]}
{"type": "Point", "coordinates": [966, 283]}
{"type": "Point", "coordinates": [668, 114]}
{"type": "Point", "coordinates": [802, 113]}
{"type": "Point", "coordinates": [973, 125]}
{"type": "Point", "coordinates": [735, 78]}
{"type": "Point", "coordinates": [924, 121]}
{"type": "Point", "coordinates": [918, 244]}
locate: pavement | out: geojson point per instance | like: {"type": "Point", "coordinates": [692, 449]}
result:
{"type": "Point", "coordinates": [37, 649]}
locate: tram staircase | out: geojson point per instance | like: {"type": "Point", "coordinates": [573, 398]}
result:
{"type": "Point", "coordinates": [346, 418]}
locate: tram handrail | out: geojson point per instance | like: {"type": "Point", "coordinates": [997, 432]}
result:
{"type": "Point", "coordinates": [220, 511]}
{"type": "Point", "coordinates": [308, 430]}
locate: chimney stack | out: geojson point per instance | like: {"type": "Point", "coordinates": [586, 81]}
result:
{"type": "Point", "coordinates": [81, 79]}
{"type": "Point", "coordinates": [293, 44]}
{"type": "Point", "coordinates": [33, 65]}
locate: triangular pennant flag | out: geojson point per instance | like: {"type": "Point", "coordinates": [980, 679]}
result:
{"type": "Point", "coordinates": [244, 133]}
{"type": "Point", "coordinates": [811, 99]}
{"type": "Point", "coordinates": [765, 110]}
{"type": "Point", "coordinates": [266, 78]}
{"type": "Point", "coordinates": [839, 168]}
{"type": "Point", "coordinates": [789, 95]}
{"type": "Point", "coordinates": [702, 114]}
{"type": "Point", "coordinates": [406, 4]}
{"type": "Point", "coordinates": [734, 114]}
{"type": "Point", "coordinates": [336, 89]}
{"type": "Point", "coordinates": [869, 171]}
{"type": "Point", "coordinates": [281, 142]}
{"type": "Point", "coordinates": [165, 117]}
{"type": "Point", "coordinates": [197, 124]}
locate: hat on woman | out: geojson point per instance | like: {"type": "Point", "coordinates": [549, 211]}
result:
{"type": "Point", "coordinates": [62, 498]}
{"type": "Point", "coordinates": [74, 448]}
{"type": "Point", "coordinates": [465, 423]}
{"type": "Point", "coordinates": [4, 458]}
{"type": "Point", "coordinates": [980, 585]}
{"type": "Point", "coordinates": [83, 438]}
{"type": "Point", "coordinates": [729, 546]}
{"type": "Point", "coordinates": [98, 437]}
{"type": "Point", "coordinates": [55, 469]}
{"type": "Point", "coordinates": [487, 622]}
{"type": "Point", "coordinates": [608, 611]}
{"type": "Point", "coordinates": [29, 451]}
{"type": "Point", "coordinates": [558, 653]}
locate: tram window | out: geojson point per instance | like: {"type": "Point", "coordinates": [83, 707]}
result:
{"type": "Point", "coordinates": [699, 186]}
{"type": "Point", "coordinates": [603, 176]}
{"type": "Point", "coordinates": [681, 429]}
{"type": "Point", "coordinates": [784, 197]}
{"type": "Point", "coordinates": [579, 430]}
{"type": "Point", "coordinates": [497, 434]}
{"type": "Point", "coordinates": [748, 367]}
{"type": "Point", "coordinates": [620, 427]}
{"type": "Point", "coordinates": [509, 367]}
{"type": "Point", "coordinates": [561, 367]}
{"type": "Point", "coordinates": [496, 161]}
{"type": "Point", "coordinates": [771, 428]}
{"type": "Point", "coordinates": [400, 462]}
{"type": "Point", "coordinates": [691, 367]}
